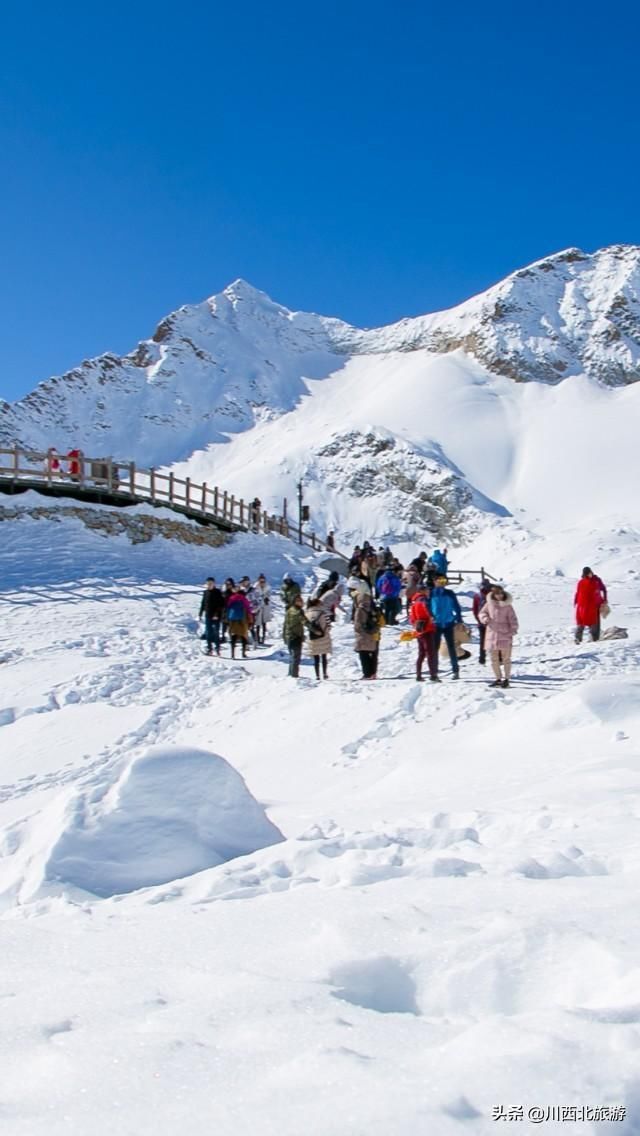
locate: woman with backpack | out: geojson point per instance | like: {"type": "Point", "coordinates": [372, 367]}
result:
{"type": "Point", "coordinates": [367, 629]}
{"type": "Point", "coordinates": [319, 635]}
{"type": "Point", "coordinates": [239, 618]}
{"type": "Point", "coordinates": [293, 633]}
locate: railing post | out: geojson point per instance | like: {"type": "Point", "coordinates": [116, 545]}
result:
{"type": "Point", "coordinates": [215, 501]}
{"type": "Point", "coordinates": [110, 475]}
{"type": "Point", "coordinates": [152, 483]}
{"type": "Point", "coordinates": [232, 506]}
{"type": "Point", "coordinates": [241, 503]}
{"type": "Point", "coordinates": [265, 521]}
{"type": "Point", "coordinates": [204, 496]}
{"type": "Point", "coordinates": [313, 541]}
{"type": "Point", "coordinates": [187, 492]}
{"type": "Point", "coordinates": [132, 477]}
{"type": "Point", "coordinates": [224, 505]}
{"type": "Point", "coordinates": [16, 461]}
{"type": "Point", "coordinates": [171, 477]}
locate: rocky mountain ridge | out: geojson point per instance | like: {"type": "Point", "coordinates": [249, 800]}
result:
{"type": "Point", "coordinates": [217, 368]}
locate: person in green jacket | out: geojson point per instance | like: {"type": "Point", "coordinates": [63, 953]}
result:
{"type": "Point", "coordinates": [289, 590]}
{"type": "Point", "coordinates": [293, 633]}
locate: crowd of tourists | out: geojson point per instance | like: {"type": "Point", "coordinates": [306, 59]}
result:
{"type": "Point", "coordinates": [378, 592]}
{"type": "Point", "coordinates": [237, 613]}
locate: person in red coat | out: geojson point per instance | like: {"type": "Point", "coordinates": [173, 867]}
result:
{"type": "Point", "coordinates": [74, 464]}
{"type": "Point", "coordinates": [589, 598]}
{"type": "Point", "coordinates": [421, 618]}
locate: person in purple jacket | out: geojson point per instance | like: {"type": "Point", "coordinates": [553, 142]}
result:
{"type": "Point", "coordinates": [388, 587]}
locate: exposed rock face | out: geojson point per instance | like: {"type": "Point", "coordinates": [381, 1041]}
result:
{"type": "Point", "coordinates": [569, 314]}
{"type": "Point", "coordinates": [219, 367]}
{"type": "Point", "coordinates": [422, 494]}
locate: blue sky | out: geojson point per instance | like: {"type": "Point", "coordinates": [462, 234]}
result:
{"type": "Point", "coordinates": [362, 159]}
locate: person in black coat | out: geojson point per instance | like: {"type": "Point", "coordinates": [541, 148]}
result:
{"type": "Point", "coordinates": [211, 609]}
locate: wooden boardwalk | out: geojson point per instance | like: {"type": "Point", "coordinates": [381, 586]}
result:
{"type": "Point", "coordinates": [108, 482]}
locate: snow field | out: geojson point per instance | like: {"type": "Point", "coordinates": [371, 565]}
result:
{"type": "Point", "coordinates": [448, 923]}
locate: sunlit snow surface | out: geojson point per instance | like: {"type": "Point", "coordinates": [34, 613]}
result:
{"type": "Point", "coordinates": [448, 925]}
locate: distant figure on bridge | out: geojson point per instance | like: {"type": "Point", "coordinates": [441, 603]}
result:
{"type": "Point", "coordinates": [256, 506]}
{"type": "Point", "coordinates": [52, 463]}
{"type": "Point", "coordinates": [74, 464]}
{"type": "Point", "coordinates": [330, 543]}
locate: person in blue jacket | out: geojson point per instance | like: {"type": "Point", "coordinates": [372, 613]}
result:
{"type": "Point", "coordinates": [439, 561]}
{"type": "Point", "coordinates": [388, 587]}
{"type": "Point", "coordinates": [446, 612]}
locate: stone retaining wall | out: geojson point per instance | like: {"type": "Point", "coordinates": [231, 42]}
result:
{"type": "Point", "coordinates": [139, 528]}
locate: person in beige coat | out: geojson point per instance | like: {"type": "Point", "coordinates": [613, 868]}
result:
{"type": "Point", "coordinates": [367, 629]}
{"type": "Point", "coordinates": [318, 644]}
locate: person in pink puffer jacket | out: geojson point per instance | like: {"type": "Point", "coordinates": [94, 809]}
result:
{"type": "Point", "coordinates": [501, 622]}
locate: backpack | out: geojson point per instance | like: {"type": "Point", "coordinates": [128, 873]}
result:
{"type": "Point", "coordinates": [371, 622]}
{"type": "Point", "coordinates": [315, 630]}
{"type": "Point", "coordinates": [236, 612]}
{"type": "Point", "coordinates": [386, 586]}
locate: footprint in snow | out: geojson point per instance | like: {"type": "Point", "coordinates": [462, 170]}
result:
{"type": "Point", "coordinates": [382, 984]}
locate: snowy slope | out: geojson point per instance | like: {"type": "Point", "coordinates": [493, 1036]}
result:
{"type": "Point", "coordinates": [217, 368]}
{"type": "Point", "coordinates": [447, 927]}
{"type": "Point", "coordinates": [426, 448]}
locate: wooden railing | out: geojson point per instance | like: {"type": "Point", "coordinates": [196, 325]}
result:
{"type": "Point", "coordinates": [77, 475]}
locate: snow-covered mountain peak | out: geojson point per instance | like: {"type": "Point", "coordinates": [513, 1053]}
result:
{"type": "Point", "coordinates": [241, 290]}
{"type": "Point", "coordinates": [217, 367]}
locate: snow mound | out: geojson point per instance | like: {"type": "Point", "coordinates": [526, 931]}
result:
{"type": "Point", "coordinates": [174, 811]}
